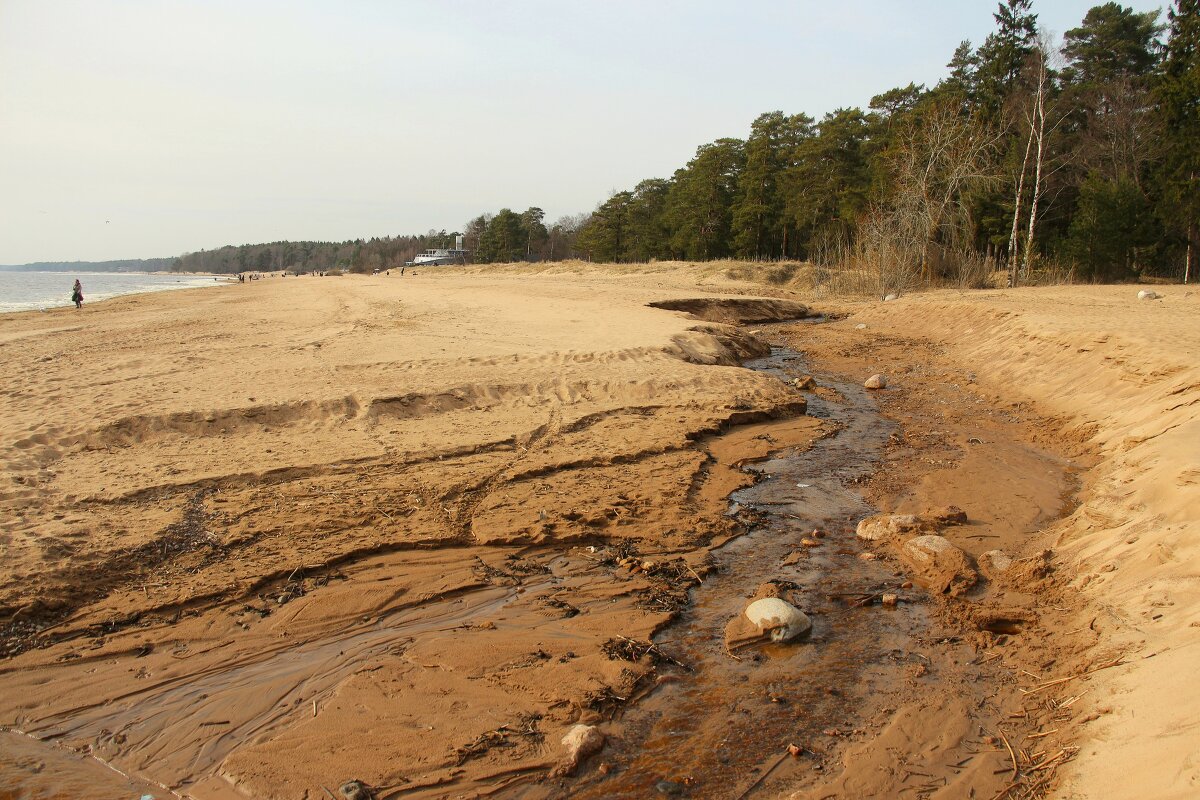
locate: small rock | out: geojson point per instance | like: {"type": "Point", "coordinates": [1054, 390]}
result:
{"type": "Point", "coordinates": [875, 382]}
{"type": "Point", "coordinates": [939, 565]}
{"type": "Point", "coordinates": [868, 556]}
{"type": "Point", "coordinates": [994, 563]}
{"type": "Point", "coordinates": [804, 382]}
{"type": "Point", "coordinates": [580, 742]}
{"type": "Point", "coordinates": [948, 515]}
{"type": "Point", "coordinates": [778, 618]}
{"type": "Point", "coordinates": [354, 790]}
{"type": "Point", "coordinates": [887, 298]}
{"type": "Point", "coordinates": [886, 526]}
{"type": "Point", "coordinates": [795, 751]}
{"type": "Point", "coordinates": [1148, 294]}
{"type": "Point", "coordinates": [862, 326]}
{"type": "Point", "coordinates": [810, 542]}
{"type": "Point", "coordinates": [889, 599]}
{"type": "Point", "coordinates": [648, 565]}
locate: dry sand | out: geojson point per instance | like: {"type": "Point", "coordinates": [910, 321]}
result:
{"type": "Point", "coordinates": [264, 539]}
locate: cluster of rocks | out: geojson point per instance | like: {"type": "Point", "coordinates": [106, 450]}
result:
{"type": "Point", "coordinates": [935, 562]}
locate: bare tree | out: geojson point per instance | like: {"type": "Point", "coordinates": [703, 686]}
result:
{"type": "Point", "coordinates": [1037, 113]}
{"type": "Point", "coordinates": [943, 154]}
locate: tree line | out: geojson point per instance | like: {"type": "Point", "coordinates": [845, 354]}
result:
{"type": "Point", "coordinates": [1084, 153]}
{"type": "Point", "coordinates": [1079, 155]}
{"type": "Point", "coordinates": [491, 238]}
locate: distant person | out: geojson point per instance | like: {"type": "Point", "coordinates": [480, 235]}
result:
{"type": "Point", "coordinates": [77, 294]}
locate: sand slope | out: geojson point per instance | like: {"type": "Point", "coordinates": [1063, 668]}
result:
{"type": "Point", "coordinates": [1124, 374]}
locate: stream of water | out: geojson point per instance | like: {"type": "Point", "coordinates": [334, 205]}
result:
{"type": "Point", "coordinates": [719, 731]}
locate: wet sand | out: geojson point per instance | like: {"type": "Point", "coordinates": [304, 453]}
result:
{"type": "Point", "coordinates": [278, 536]}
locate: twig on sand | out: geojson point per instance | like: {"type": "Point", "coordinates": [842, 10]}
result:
{"type": "Point", "coordinates": [1046, 762]}
{"type": "Point", "coordinates": [1006, 790]}
{"type": "Point", "coordinates": [1056, 682]}
{"type": "Point", "coordinates": [1043, 733]}
{"type": "Point", "coordinates": [763, 777]}
{"type": "Point", "coordinates": [331, 794]}
{"type": "Point", "coordinates": [1011, 754]}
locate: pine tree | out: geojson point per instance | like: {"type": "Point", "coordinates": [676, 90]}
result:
{"type": "Point", "coordinates": [1179, 101]}
{"type": "Point", "coordinates": [758, 225]}
{"type": "Point", "coordinates": [1004, 54]}
{"type": "Point", "coordinates": [962, 82]}
{"type": "Point", "coordinates": [699, 208]}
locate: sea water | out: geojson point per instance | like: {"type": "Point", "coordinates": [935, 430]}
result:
{"type": "Point", "coordinates": [30, 291]}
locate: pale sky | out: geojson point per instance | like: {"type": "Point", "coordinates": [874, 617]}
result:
{"type": "Point", "coordinates": [145, 128]}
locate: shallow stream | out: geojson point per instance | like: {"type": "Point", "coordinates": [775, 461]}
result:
{"type": "Point", "coordinates": [723, 730]}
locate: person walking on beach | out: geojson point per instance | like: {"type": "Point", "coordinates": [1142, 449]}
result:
{"type": "Point", "coordinates": [77, 294]}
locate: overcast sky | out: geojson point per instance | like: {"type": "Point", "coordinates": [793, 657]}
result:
{"type": "Point", "coordinates": [141, 128]}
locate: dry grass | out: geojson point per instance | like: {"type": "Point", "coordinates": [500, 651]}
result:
{"type": "Point", "coordinates": [875, 267]}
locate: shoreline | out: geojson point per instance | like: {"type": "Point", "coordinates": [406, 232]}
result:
{"type": "Point", "coordinates": [57, 304]}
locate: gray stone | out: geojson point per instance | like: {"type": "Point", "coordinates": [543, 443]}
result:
{"type": "Point", "coordinates": [995, 563]}
{"type": "Point", "coordinates": [354, 790]}
{"type": "Point", "coordinates": [876, 382]}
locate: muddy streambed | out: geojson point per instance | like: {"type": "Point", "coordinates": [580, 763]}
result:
{"type": "Point", "coordinates": [217, 683]}
{"type": "Point", "coordinates": [724, 729]}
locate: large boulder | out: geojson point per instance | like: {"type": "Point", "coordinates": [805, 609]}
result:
{"type": "Point", "coordinates": [938, 565]}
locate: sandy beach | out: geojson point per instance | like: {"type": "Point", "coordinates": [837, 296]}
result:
{"type": "Point", "coordinates": [266, 539]}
